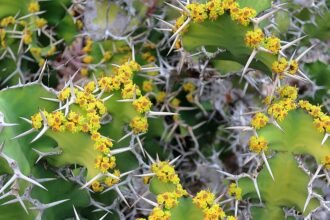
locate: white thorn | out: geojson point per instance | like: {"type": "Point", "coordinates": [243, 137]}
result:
{"type": "Point", "coordinates": [253, 54]}
{"type": "Point", "coordinates": [121, 195]}
{"type": "Point", "coordinates": [325, 138]}
{"type": "Point", "coordinates": [267, 164]}
{"type": "Point", "coordinates": [255, 183]}
{"type": "Point", "coordinates": [305, 52]}
{"type": "Point", "coordinates": [24, 133]}
{"type": "Point", "coordinates": [179, 29]}
{"type": "Point", "coordinates": [75, 213]}
{"type": "Point", "coordinates": [92, 180]}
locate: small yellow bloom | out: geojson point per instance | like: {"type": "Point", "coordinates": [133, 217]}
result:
{"type": "Point", "coordinates": [33, 7]}
{"type": "Point", "coordinates": [258, 144]}
{"type": "Point", "coordinates": [259, 120]}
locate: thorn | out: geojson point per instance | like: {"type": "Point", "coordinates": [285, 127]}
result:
{"type": "Point", "coordinates": [140, 145]}
{"type": "Point", "coordinates": [121, 195]}
{"type": "Point", "coordinates": [42, 72]}
{"type": "Point", "coordinates": [173, 45]}
{"type": "Point", "coordinates": [253, 54]}
{"type": "Point", "coordinates": [165, 22]}
{"type": "Point", "coordinates": [150, 158]}
{"type": "Point", "coordinates": [267, 164]}
{"type": "Point", "coordinates": [43, 131]}
{"type": "Point", "coordinates": [243, 128]}
{"type": "Point", "coordinates": [152, 113]}
{"type": "Point", "coordinates": [92, 180]}
{"type": "Point", "coordinates": [275, 123]}
{"type": "Point", "coordinates": [75, 213]}
{"type": "Point", "coordinates": [145, 174]}
{"type": "Point", "coordinates": [125, 136]}
{"type": "Point", "coordinates": [305, 52]}
{"type": "Point", "coordinates": [149, 201]}
{"type": "Point", "coordinates": [255, 183]}
{"type": "Point", "coordinates": [50, 99]}
{"type": "Point", "coordinates": [21, 176]}
{"type": "Point", "coordinates": [325, 138]}
{"type": "Point", "coordinates": [307, 201]}
{"type": "Point", "coordinates": [292, 43]}
{"type": "Point", "coordinates": [173, 6]}
{"type": "Point", "coordinates": [24, 133]}
{"type": "Point", "coordinates": [179, 29]}
{"type": "Point", "coordinates": [256, 21]}
{"type": "Point", "coordinates": [174, 160]}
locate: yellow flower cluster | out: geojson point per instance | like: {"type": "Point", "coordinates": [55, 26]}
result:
{"type": "Point", "coordinates": [258, 144]}
{"type": "Point", "coordinates": [160, 97]}
{"type": "Point", "coordinates": [3, 38]}
{"type": "Point", "coordinates": [243, 15]}
{"type": "Point", "coordinates": [215, 9]}
{"type": "Point", "coordinates": [283, 65]}
{"type": "Point", "coordinates": [272, 44]}
{"type": "Point", "coordinates": [254, 38]}
{"type": "Point", "coordinates": [147, 56]}
{"type": "Point", "coordinates": [97, 187]}
{"type": "Point", "coordinates": [33, 7]}
{"type": "Point", "coordinates": [198, 12]}
{"type": "Point", "coordinates": [326, 162]}
{"type": "Point", "coordinates": [142, 104]}
{"type": "Point", "coordinates": [280, 109]}
{"type": "Point", "coordinates": [110, 181]}
{"type": "Point", "coordinates": [259, 120]}
{"type": "Point", "coordinates": [190, 88]}
{"type": "Point", "coordinates": [139, 124]}
{"type": "Point", "coordinates": [168, 199]}
{"type": "Point", "coordinates": [321, 120]}
{"type": "Point", "coordinates": [158, 214]}
{"type": "Point", "coordinates": [7, 21]}
{"type": "Point", "coordinates": [105, 163]}
{"type": "Point", "coordinates": [165, 172]}
{"type": "Point", "coordinates": [289, 92]}
{"type": "Point", "coordinates": [147, 86]}
{"type": "Point", "coordinates": [205, 201]}
{"type": "Point", "coordinates": [235, 191]}
{"type": "Point", "coordinates": [212, 9]}
{"type": "Point", "coordinates": [41, 22]}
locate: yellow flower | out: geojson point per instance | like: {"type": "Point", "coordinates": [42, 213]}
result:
{"type": "Point", "coordinates": [89, 87]}
{"type": "Point", "coordinates": [160, 97]}
{"type": "Point", "coordinates": [242, 15]}
{"type": "Point", "coordinates": [27, 37]}
{"type": "Point", "coordinates": [204, 199]}
{"type": "Point", "coordinates": [214, 213]}
{"type": "Point", "coordinates": [110, 181]}
{"type": "Point", "coordinates": [258, 144]}
{"type": "Point", "coordinates": [40, 22]}
{"type": "Point", "coordinates": [142, 104]}
{"type": "Point", "coordinates": [198, 12]}
{"type": "Point", "coordinates": [87, 59]}
{"type": "Point", "coordinates": [158, 214]}
{"type": "Point", "coordinates": [189, 87]}
{"type": "Point", "coordinates": [129, 90]}
{"type": "Point", "coordinates": [169, 199]}
{"type": "Point", "coordinates": [165, 172]}
{"type": "Point", "coordinates": [175, 102]}
{"type": "Point", "coordinates": [147, 86]}
{"type": "Point", "coordinates": [215, 9]}
{"type": "Point", "coordinates": [289, 92]}
{"type": "Point", "coordinates": [280, 66]}
{"type": "Point", "coordinates": [64, 94]}
{"type": "Point", "coordinates": [272, 44]}
{"type": "Point", "coordinates": [326, 161]}
{"type": "Point", "coordinates": [259, 120]}
{"type": "Point", "coordinates": [97, 187]}
{"type": "Point", "coordinates": [7, 21]}
{"type": "Point", "coordinates": [36, 120]}
{"type": "Point", "coordinates": [139, 125]}
{"type": "Point", "coordinates": [254, 38]}
{"type": "Point", "coordinates": [235, 191]}
{"type": "Point", "coordinates": [33, 7]}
